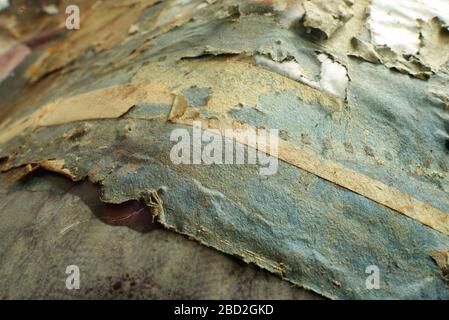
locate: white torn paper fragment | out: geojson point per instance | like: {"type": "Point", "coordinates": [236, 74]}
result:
{"type": "Point", "coordinates": [289, 69]}
{"type": "Point", "coordinates": [394, 23]}
{"type": "Point", "coordinates": [364, 50]}
{"type": "Point", "coordinates": [334, 76]}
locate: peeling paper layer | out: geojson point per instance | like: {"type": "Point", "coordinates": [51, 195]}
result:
{"type": "Point", "coordinates": [435, 43]}
{"type": "Point", "coordinates": [298, 223]}
{"type": "Point", "coordinates": [364, 50]}
{"type": "Point", "coordinates": [290, 69]}
{"type": "Point", "coordinates": [326, 16]}
{"type": "Point", "coordinates": [333, 76]}
{"type": "Point", "coordinates": [100, 104]}
{"type": "Point", "coordinates": [394, 23]}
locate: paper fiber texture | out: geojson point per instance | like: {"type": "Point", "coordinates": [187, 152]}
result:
{"type": "Point", "coordinates": [363, 171]}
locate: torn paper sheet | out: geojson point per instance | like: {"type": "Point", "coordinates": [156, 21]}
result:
{"type": "Point", "coordinates": [364, 50]}
{"type": "Point", "coordinates": [105, 103]}
{"type": "Point", "coordinates": [326, 16]}
{"type": "Point", "coordinates": [394, 23]}
{"type": "Point", "coordinates": [405, 64]}
{"type": "Point", "coordinates": [334, 76]}
{"type": "Point", "coordinates": [434, 49]}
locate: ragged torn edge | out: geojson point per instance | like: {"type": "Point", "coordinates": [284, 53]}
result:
{"type": "Point", "coordinates": [326, 169]}
{"type": "Point", "coordinates": [334, 78]}
{"type": "Point", "coordinates": [152, 199]}
{"type": "Point", "coordinates": [406, 64]}
{"type": "Point", "coordinates": [434, 39]}
{"type": "Point", "coordinates": [56, 166]}
{"type": "Point", "coordinates": [182, 113]}
{"type": "Point", "coordinates": [322, 18]}
{"type": "Point", "coordinates": [421, 52]}
{"type": "Point", "coordinates": [441, 259]}
{"type": "Point", "coordinates": [107, 103]}
{"type": "Point", "coordinates": [115, 101]}
{"type": "Point", "coordinates": [396, 23]}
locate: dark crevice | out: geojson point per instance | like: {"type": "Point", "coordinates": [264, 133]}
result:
{"type": "Point", "coordinates": [132, 214]}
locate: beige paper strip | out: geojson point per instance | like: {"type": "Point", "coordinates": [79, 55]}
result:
{"type": "Point", "coordinates": [114, 101]}
{"type": "Point", "coordinates": [105, 103]}
{"type": "Point", "coordinates": [336, 173]}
